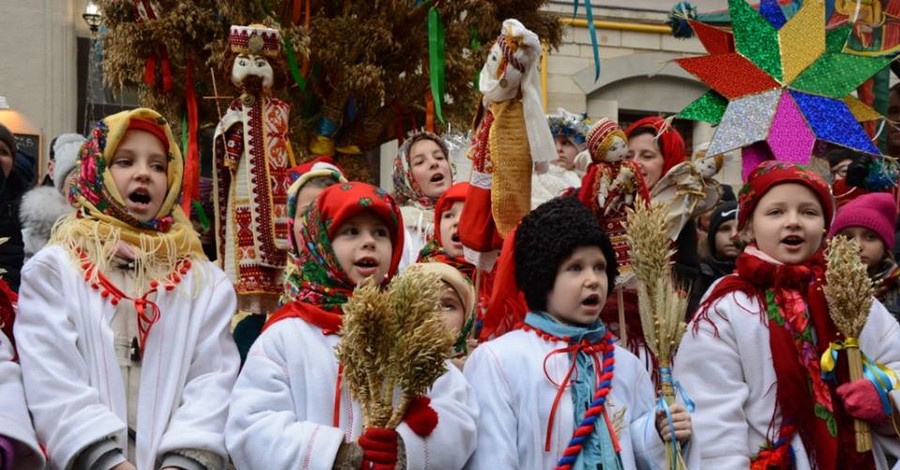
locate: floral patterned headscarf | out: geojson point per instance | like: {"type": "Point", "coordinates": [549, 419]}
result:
{"type": "Point", "coordinates": [406, 189]}
{"type": "Point", "coordinates": [102, 220]}
{"type": "Point", "coordinates": [314, 274]}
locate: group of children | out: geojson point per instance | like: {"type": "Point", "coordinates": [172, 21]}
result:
{"type": "Point", "coordinates": [127, 362]}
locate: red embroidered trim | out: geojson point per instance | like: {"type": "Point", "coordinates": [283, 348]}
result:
{"type": "Point", "coordinates": [148, 312]}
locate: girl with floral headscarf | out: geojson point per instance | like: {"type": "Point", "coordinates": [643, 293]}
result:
{"type": "Point", "coordinates": [288, 404]}
{"type": "Point", "coordinates": [123, 323]}
{"type": "Point", "coordinates": [421, 175]}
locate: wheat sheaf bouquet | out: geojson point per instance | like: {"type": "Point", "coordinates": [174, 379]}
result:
{"type": "Point", "coordinates": [661, 304]}
{"type": "Point", "coordinates": [394, 339]}
{"type": "Point", "coordinates": [849, 293]}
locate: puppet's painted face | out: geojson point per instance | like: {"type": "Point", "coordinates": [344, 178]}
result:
{"type": "Point", "coordinates": [247, 65]}
{"type": "Point", "coordinates": [618, 149]}
{"type": "Point", "coordinates": [499, 80]}
{"type": "Point", "coordinates": [708, 167]}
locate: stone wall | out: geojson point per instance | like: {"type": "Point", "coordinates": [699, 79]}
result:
{"type": "Point", "coordinates": [637, 72]}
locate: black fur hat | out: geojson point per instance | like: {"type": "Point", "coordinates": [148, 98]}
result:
{"type": "Point", "coordinates": [546, 237]}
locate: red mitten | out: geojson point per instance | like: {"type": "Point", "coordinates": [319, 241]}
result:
{"type": "Point", "coordinates": [421, 417]}
{"type": "Point", "coordinates": [380, 446]}
{"type": "Point", "coordinates": [861, 401]}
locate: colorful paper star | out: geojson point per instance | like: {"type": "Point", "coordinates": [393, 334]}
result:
{"type": "Point", "coordinates": [780, 87]}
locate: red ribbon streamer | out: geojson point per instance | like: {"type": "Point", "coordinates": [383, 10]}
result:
{"type": "Point", "coordinates": [166, 69]}
{"type": "Point", "coordinates": [150, 71]}
{"type": "Point", "coordinates": [190, 190]}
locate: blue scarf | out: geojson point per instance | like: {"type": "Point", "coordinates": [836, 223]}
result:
{"type": "Point", "coordinates": [598, 449]}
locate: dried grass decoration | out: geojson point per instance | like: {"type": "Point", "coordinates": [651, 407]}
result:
{"type": "Point", "coordinates": [661, 304]}
{"type": "Point", "coordinates": [849, 293]}
{"type": "Point", "coordinates": [394, 339]}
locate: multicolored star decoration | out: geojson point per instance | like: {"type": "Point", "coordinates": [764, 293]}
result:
{"type": "Point", "coordinates": [780, 88]}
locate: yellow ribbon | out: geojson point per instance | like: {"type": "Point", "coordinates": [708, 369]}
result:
{"type": "Point", "coordinates": [830, 354]}
{"type": "Point", "coordinates": [883, 378]}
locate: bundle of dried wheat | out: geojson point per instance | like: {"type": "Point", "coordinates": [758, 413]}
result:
{"type": "Point", "coordinates": [849, 293]}
{"type": "Point", "coordinates": [661, 304]}
{"type": "Point", "coordinates": [393, 339]}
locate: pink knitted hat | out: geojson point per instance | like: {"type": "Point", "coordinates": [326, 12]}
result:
{"type": "Point", "coordinates": [874, 211]}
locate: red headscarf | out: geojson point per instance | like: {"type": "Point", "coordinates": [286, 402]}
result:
{"type": "Point", "coordinates": [670, 142]}
{"type": "Point", "coordinates": [771, 173]}
{"type": "Point", "coordinates": [433, 251]}
{"type": "Point", "coordinates": [318, 284]}
{"type": "Point", "coordinates": [456, 193]}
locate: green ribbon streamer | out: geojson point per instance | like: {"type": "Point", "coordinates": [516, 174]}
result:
{"type": "Point", "coordinates": [200, 214]}
{"type": "Point", "coordinates": [292, 65]}
{"type": "Point", "coordinates": [592, 30]}
{"type": "Point", "coordinates": [474, 46]}
{"type": "Point", "coordinates": [436, 60]}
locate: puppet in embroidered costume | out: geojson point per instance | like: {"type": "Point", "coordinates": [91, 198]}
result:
{"type": "Point", "coordinates": [610, 185]}
{"type": "Point", "coordinates": [616, 179]}
{"type": "Point", "coordinates": [502, 160]}
{"type": "Point", "coordinates": [252, 156]}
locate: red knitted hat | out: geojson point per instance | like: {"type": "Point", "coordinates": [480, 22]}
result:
{"type": "Point", "coordinates": [771, 173]}
{"type": "Point", "coordinates": [669, 140]}
{"type": "Point", "coordinates": [874, 211]}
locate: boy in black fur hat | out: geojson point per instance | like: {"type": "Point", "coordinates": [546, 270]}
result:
{"type": "Point", "coordinates": [558, 377]}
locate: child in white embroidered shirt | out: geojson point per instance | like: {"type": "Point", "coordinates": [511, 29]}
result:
{"type": "Point", "coordinates": [553, 376]}
{"type": "Point", "coordinates": [123, 324]}
{"type": "Point", "coordinates": [289, 408]}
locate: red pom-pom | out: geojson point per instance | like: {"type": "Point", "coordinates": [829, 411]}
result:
{"type": "Point", "coordinates": [170, 287]}
{"type": "Point", "coordinates": [154, 284]}
{"type": "Point", "coordinates": [114, 301]}
{"type": "Point", "coordinates": [421, 417]}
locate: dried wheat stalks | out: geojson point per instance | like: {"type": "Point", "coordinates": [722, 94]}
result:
{"type": "Point", "coordinates": [394, 339]}
{"type": "Point", "coordinates": [849, 290]}
{"type": "Point", "coordinates": [849, 293]}
{"type": "Point", "coordinates": [661, 304]}
{"type": "Point", "coordinates": [424, 344]}
{"type": "Point", "coordinates": [368, 329]}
